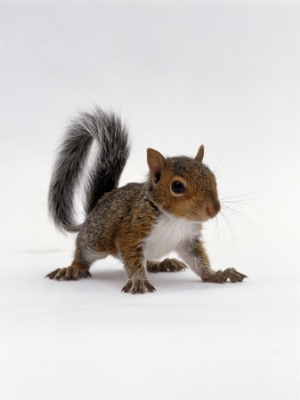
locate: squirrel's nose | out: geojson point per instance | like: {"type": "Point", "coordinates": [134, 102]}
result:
{"type": "Point", "coordinates": [213, 208]}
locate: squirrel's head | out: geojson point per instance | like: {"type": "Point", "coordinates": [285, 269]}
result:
{"type": "Point", "coordinates": [184, 186]}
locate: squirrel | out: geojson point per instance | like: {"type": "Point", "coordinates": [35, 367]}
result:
{"type": "Point", "coordinates": [138, 223]}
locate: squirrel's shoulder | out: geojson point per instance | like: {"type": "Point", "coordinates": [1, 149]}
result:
{"type": "Point", "coordinates": [132, 196]}
{"type": "Point", "coordinates": [128, 209]}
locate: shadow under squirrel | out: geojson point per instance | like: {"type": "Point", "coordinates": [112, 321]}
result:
{"type": "Point", "coordinates": [138, 223]}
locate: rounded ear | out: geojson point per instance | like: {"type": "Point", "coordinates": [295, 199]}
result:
{"type": "Point", "coordinates": [156, 162]}
{"type": "Point", "coordinates": [200, 153]}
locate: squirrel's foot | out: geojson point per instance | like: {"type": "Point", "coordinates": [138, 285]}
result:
{"type": "Point", "coordinates": [71, 273]}
{"type": "Point", "coordinates": [222, 276]}
{"type": "Point", "coordinates": [167, 265]}
{"type": "Point", "coordinates": [138, 286]}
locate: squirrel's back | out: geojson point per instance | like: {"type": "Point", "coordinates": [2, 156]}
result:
{"type": "Point", "coordinates": [111, 137]}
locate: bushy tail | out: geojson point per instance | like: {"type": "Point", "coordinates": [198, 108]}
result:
{"type": "Point", "coordinates": [113, 150]}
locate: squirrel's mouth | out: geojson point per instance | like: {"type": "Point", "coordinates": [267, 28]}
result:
{"type": "Point", "coordinates": [205, 212]}
{"type": "Point", "coordinates": [212, 208]}
{"type": "Point", "coordinates": [199, 216]}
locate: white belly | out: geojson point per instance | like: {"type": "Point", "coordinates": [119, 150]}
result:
{"type": "Point", "coordinates": [167, 234]}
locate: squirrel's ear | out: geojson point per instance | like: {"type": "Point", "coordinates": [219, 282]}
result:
{"type": "Point", "coordinates": [200, 153]}
{"type": "Point", "coordinates": [156, 161]}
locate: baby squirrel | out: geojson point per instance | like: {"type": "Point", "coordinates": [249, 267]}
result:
{"type": "Point", "coordinates": [138, 223]}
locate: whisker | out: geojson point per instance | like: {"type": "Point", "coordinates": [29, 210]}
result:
{"type": "Point", "coordinates": [230, 215]}
{"type": "Point", "coordinates": [226, 203]}
{"type": "Point", "coordinates": [231, 229]}
{"type": "Point", "coordinates": [216, 233]}
{"type": "Point", "coordinates": [245, 196]}
{"type": "Point", "coordinates": [218, 230]}
{"type": "Point", "coordinates": [243, 217]}
{"type": "Point", "coordinates": [217, 170]}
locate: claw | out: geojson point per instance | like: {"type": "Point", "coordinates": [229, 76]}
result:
{"type": "Point", "coordinates": [234, 275]}
{"type": "Point", "coordinates": [52, 274]}
{"type": "Point", "coordinates": [222, 276]}
{"type": "Point", "coordinates": [150, 287]}
{"type": "Point", "coordinates": [135, 286]}
{"type": "Point", "coordinates": [68, 274]}
{"type": "Point", "coordinates": [127, 287]}
{"type": "Point", "coordinates": [167, 265]}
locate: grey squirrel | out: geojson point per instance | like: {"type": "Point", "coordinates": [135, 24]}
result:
{"type": "Point", "coordinates": [138, 223]}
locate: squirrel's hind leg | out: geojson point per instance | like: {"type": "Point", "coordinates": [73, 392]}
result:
{"type": "Point", "coordinates": [71, 273]}
{"type": "Point", "coordinates": [167, 265]}
{"type": "Point", "coordinates": [79, 267]}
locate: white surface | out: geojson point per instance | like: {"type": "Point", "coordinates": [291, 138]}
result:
{"type": "Point", "coordinates": [225, 74]}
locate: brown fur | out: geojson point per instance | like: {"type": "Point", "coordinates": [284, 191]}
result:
{"type": "Point", "coordinates": [121, 223]}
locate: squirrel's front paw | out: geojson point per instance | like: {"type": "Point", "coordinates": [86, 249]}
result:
{"type": "Point", "coordinates": [223, 276]}
{"type": "Point", "coordinates": [138, 286]}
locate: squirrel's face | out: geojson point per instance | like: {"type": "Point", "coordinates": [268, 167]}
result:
{"type": "Point", "coordinates": [184, 186]}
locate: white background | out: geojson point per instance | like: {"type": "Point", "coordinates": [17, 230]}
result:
{"type": "Point", "coordinates": [222, 73]}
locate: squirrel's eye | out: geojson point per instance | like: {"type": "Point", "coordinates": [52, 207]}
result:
{"type": "Point", "coordinates": [178, 187]}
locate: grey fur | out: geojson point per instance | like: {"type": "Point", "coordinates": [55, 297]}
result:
{"type": "Point", "coordinates": [112, 139]}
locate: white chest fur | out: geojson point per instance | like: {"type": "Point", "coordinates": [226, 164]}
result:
{"type": "Point", "coordinates": [167, 234]}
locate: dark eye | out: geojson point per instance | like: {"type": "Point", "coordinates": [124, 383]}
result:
{"type": "Point", "coordinates": [178, 187]}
